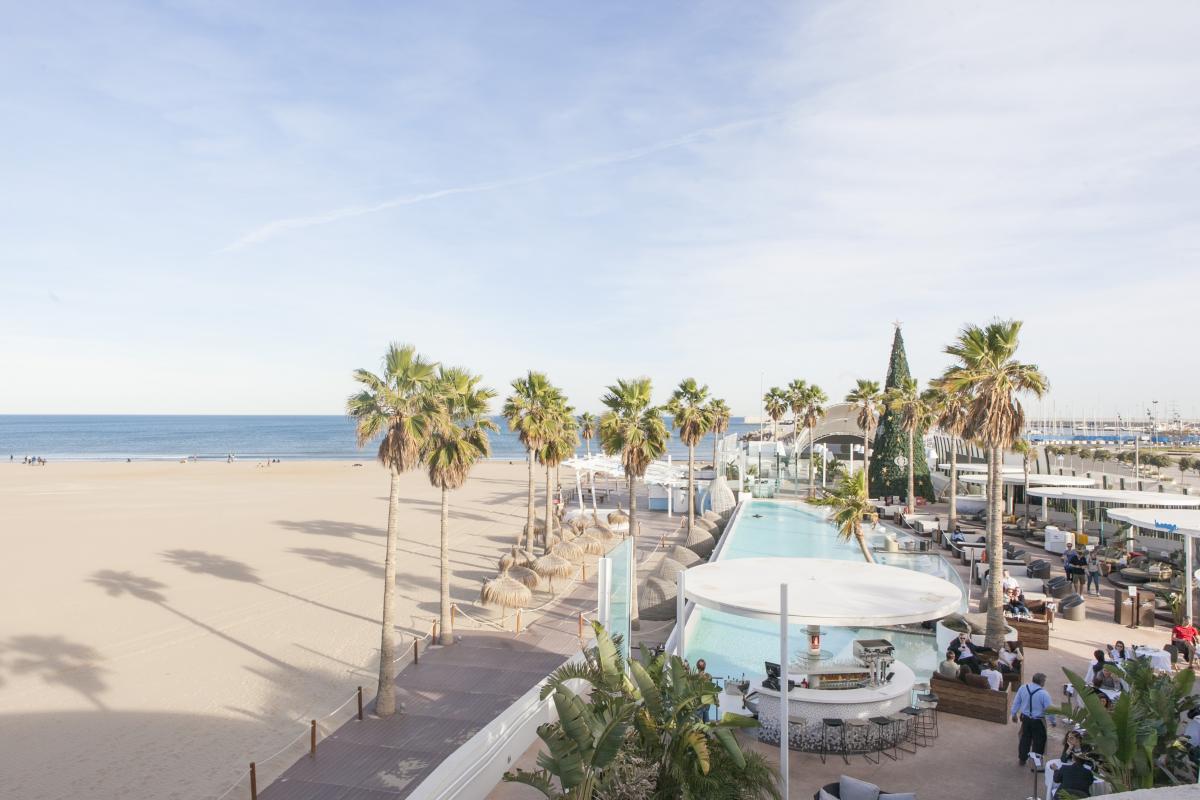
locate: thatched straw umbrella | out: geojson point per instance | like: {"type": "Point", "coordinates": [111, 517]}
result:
{"type": "Point", "coordinates": [617, 517]}
{"type": "Point", "coordinates": [504, 590]}
{"type": "Point", "coordinates": [668, 569]}
{"type": "Point", "coordinates": [522, 557]}
{"type": "Point", "coordinates": [551, 566]}
{"type": "Point", "coordinates": [592, 544]}
{"type": "Point", "coordinates": [701, 541]}
{"type": "Point", "coordinates": [684, 556]}
{"type": "Point", "coordinates": [601, 531]}
{"type": "Point", "coordinates": [578, 524]}
{"type": "Point", "coordinates": [657, 599]}
{"type": "Point", "coordinates": [570, 551]}
{"type": "Point", "coordinates": [518, 570]}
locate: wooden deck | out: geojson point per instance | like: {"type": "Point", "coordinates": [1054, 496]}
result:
{"type": "Point", "coordinates": [449, 696]}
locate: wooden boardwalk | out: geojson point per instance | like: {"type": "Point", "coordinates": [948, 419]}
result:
{"type": "Point", "coordinates": [447, 698]}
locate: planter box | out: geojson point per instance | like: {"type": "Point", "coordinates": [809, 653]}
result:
{"type": "Point", "coordinates": [955, 697]}
{"type": "Point", "coordinates": [1034, 633]}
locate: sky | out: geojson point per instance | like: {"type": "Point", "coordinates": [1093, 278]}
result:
{"type": "Point", "coordinates": [226, 207]}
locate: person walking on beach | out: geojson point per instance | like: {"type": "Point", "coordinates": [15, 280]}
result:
{"type": "Point", "coordinates": [1029, 708]}
{"type": "Point", "coordinates": [1093, 571]}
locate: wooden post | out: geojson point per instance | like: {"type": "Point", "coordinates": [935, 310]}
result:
{"type": "Point", "coordinates": [416, 653]}
{"type": "Point", "coordinates": [433, 637]}
{"type": "Point", "coordinates": [585, 571]}
{"type": "Point", "coordinates": [517, 629]}
{"type": "Point", "coordinates": [312, 747]}
{"type": "Point", "coordinates": [581, 625]}
{"type": "Point", "coordinates": [360, 704]}
{"type": "Point", "coordinates": [253, 783]}
{"type": "Point", "coordinates": [453, 613]}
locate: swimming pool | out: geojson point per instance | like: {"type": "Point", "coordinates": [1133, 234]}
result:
{"type": "Point", "coordinates": [733, 646]}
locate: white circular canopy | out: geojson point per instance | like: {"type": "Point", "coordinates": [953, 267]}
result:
{"type": "Point", "coordinates": [1035, 479]}
{"type": "Point", "coordinates": [974, 467]}
{"type": "Point", "coordinates": [1121, 497]}
{"type": "Point", "coordinates": [1185, 520]}
{"type": "Point", "coordinates": [821, 591]}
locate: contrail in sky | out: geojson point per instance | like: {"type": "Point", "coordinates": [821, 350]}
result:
{"type": "Point", "coordinates": [279, 227]}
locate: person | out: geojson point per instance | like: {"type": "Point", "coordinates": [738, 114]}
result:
{"type": "Point", "coordinates": [994, 678]}
{"type": "Point", "coordinates": [1093, 571]}
{"type": "Point", "coordinates": [1072, 752]}
{"type": "Point", "coordinates": [1192, 731]}
{"type": "Point", "coordinates": [1117, 653]}
{"type": "Point", "coordinates": [1096, 667]}
{"type": "Point", "coordinates": [1009, 583]}
{"type": "Point", "coordinates": [1183, 641]}
{"type": "Point", "coordinates": [957, 537]}
{"type": "Point", "coordinates": [1010, 657]}
{"type": "Point", "coordinates": [702, 673]}
{"type": "Point", "coordinates": [964, 650]}
{"type": "Point", "coordinates": [1029, 708]}
{"type": "Point", "coordinates": [1014, 604]}
{"type": "Point", "coordinates": [1076, 568]}
{"type": "Point", "coordinates": [949, 668]}
{"type": "Point", "coordinates": [1075, 778]}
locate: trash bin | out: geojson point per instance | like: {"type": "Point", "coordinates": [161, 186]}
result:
{"type": "Point", "coordinates": [1039, 568]}
{"type": "Point", "coordinates": [1059, 587]}
{"type": "Point", "coordinates": [1073, 607]}
{"type": "Point", "coordinates": [1016, 555]}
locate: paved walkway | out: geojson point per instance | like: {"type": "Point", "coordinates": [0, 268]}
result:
{"type": "Point", "coordinates": [447, 698]}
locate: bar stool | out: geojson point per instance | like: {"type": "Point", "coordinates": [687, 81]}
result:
{"type": "Point", "coordinates": [884, 730]}
{"type": "Point", "coordinates": [918, 689]}
{"type": "Point", "coordinates": [900, 727]}
{"type": "Point", "coordinates": [858, 736]}
{"type": "Point", "coordinates": [916, 728]}
{"type": "Point", "coordinates": [828, 726]}
{"type": "Point", "coordinates": [928, 704]}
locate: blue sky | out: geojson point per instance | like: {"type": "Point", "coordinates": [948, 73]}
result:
{"type": "Point", "coordinates": [225, 207]}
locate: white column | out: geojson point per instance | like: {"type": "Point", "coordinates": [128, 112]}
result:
{"type": "Point", "coordinates": [603, 587]}
{"type": "Point", "coordinates": [1078, 516]}
{"type": "Point", "coordinates": [579, 491]}
{"type": "Point", "coordinates": [680, 620]}
{"type": "Point", "coordinates": [1045, 509]}
{"type": "Point", "coordinates": [784, 712]}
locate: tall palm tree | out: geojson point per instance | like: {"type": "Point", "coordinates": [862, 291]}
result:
{"type": "Point", "coordinates": [915, 414]}
{"type": "Point", "coordinates": [814, 409]}
{"type": "Point", "coordinates": [775, 402]}
{"type": "Point", "coordinates": [951, 410]}
{"type": "Point", "coordinates": [400, 408]}
{"type": "Point", "coordinates": [693, 418]}
{"type": "Point", "coordinates": [851, 505]}
{"type": "Point", "coordinates": [558, 444]}
{"type": "Point", "coordinates": [527, 409]}
{"type": "Point", "coordinates": [1027, 450]}
{"type": "Point", "coordinates": [587, 431]}
{"type": "Point", "coordinates": [986, 366]}
{"type": "Point", "coordinates": [867, 397]}
{"type": "Point", "coordinates": [633, 429]}
{"type": "Point", "coordinates": [720, 423]}
{"type": "Point", "coordinates": [797, 399]}
{"type": "Point", "coordinates": [453, 447]}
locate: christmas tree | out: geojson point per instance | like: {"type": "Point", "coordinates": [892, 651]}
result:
{"type": "Point", "coordinates": [887, 477]}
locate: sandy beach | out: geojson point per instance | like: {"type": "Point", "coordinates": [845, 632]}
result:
{"type": "Point", "coordinates": [166, 623]}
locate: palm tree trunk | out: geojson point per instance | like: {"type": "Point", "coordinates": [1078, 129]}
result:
{"type": "Point", "coordinates": [635, 622]}
{"type": "Point", "coordinates": [715, 437]}
{"type": "Point", "coordinates": [549, 510]}
{"type": "Point", "coordinates": [911, 485]}
{"type": "Point", "coordinates": [445, 635]}
{"type": "Point", "coordinates": [812, 469]}
{"type": "Point", "coordinates": [1025, 463]}
{"type": "Point", "coordinates": [995, 549]}
{"type": "Point", "coordinates": [862, 545]}
{"type": "Point", "coordinates": [691, 488]}
{"type": "Point", "coordinates": [385, 693]}
{"type": "Point", "coordinates": [953, 483]}
{"type": "Point", "coordinates": [866, 463]}
{"type": "Point", "coordinates": [529, 515]}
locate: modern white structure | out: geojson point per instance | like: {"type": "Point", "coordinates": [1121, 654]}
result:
{"type": "Point", "coordinates": [814, 592]}
{"type": "Point", "coordinates": [1114, 498]}
{"type": "Point", "coordinates": [1181, 522]}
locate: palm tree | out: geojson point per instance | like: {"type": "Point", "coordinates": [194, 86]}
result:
{"type": "Point", "coordinates": [453, 447]}
{"type": "Point", "coordinates": [558, 444]}
{"type": "Point", "coordinates": [1027, 450]}
{"type": "Point", "coordinates": [720, 423]}
{"type": "Point", "coordinates": [797, 400]}
{"type": "Point", "coordinates": [851, 505]}
{"type": "Point", "coordinates": [951, 411]}
{"type": "Point", "coordinates": [526, 410]}
{"type": "Point", "coordinates": [399, 408]}
{"type": "Point", "coordinates": [775, 402]}
{"type": "Point", "coordinates": [987, 368]}
{"type": "Point", "coordinates": [868, 399]}
{"type": "Point", "coordinates": [915, 414]}
{"type": "Point", "coordinates": [633, 429]}
{"type": "Point", "coordinates": [814, 409]}
{"type": "Point", "coordinates": [587, 430]}
{"type": "Point", "coordinates": [693, 419]}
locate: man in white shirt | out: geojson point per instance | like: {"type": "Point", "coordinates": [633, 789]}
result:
{"type": "Point", "coordinates": [1009, 583]}
{"type": "Point", "coordinates": [994, 677]}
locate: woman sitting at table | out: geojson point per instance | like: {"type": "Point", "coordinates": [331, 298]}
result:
{"type": "Point", "coordinates": [1117, 652]}
{"type": "Point", "coordinates": [1010, 657]}
{"type": "Point", "coordinates": [1014, 604]}
{"type": "Point", "coordinates": [1096, 667]}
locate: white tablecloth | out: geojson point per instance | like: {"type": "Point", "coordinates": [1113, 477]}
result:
{"type": "Point", "coordinates": [1159, 659]}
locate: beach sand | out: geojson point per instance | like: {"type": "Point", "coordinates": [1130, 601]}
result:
{"type": "Point", "coordinates": [164, 624]}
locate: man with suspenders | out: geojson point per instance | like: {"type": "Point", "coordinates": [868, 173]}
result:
{"type": "Point", "coordinates": [1029, 708]}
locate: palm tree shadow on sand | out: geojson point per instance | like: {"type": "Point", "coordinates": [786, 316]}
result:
{"type": "Point", "coordinates": [57, 661]}
{"type": "Point", "coordinates": [219, 566]}
{"type": "Point", "coordinates": [120, 583]}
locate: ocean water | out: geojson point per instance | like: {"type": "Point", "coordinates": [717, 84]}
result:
{"type": "Point", "coordinates": [142, 438]}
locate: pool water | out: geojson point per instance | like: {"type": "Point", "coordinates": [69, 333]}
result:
{"type": "Point", "coordinates": [733, 646]}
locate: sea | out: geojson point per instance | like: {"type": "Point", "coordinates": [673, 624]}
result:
{"type": "Point", "coordinates": [216, 438]}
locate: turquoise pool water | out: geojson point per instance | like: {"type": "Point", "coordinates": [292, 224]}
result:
{"type": "Point", "coordinates": [734, 646]}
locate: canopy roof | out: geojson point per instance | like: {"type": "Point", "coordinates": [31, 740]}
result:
{"type": "Point", "coordinates": [1035, 479]}
{"type": "Point", "coordinates": [821, 591]}
{"type": "Point", "coordinates": [659, 472]}
{"type": "Point", "coordinates": [1185, 520]}
{"type": "Point", "coordinates": [1121, 497]}
{"type": "Point", "coordinates": [973, 467]}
